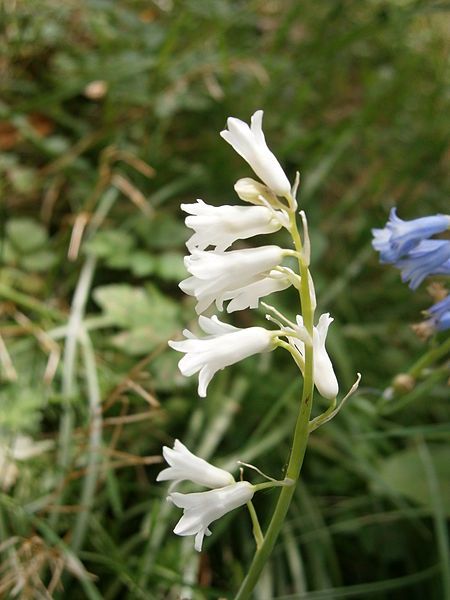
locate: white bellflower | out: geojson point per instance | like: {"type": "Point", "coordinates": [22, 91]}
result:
{"type": "Point", "coordinates": [224, 345]}
{"type": "Point", "coordinates": [249, 295]}
{"type": "Point", "coordinates": [202, 508]}
{"type": "Point", "coordinates": [251, 144]}
{"type": "Point", "coordinates": [324, 376]}
{"type": "Point", "coordinates": [216, 273]}
{"type": "Point", "coordinates": [184, 465]}
{"type": "Point", "coordinates": [220, 226]}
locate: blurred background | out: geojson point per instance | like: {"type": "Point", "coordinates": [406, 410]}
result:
{"type": "Point", "coordinates": [110, 113]}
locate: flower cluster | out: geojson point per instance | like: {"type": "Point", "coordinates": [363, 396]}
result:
{"type": "Point", "coordinates": [242, 277]}
{"type": "Point", "coordinates": [239, 278]}
{"type": "Point", "coordinates": [201, 508]}
{"type": "Point", "coordinates": [410, 246]}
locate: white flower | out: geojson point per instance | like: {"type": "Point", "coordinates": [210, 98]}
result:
{"type": "Point", "coordinates": [324, 377]}
{"type": "Point", "coordinates": [248, 296]}
{"type": "Point", "coordinates": [220, 226]}
{"type": "Point", "coordinates": [255, 192]}
{"type": "Point", "coordinates": [223, 346]}
{"type": "Point", "coordinates": [202, 508]}
{"type": "Point", "coordinates": [215, 273]}
{"type": "Point", "coordinates": [186, 466]}
{"type": "Point", "coordinates": [250, 143]}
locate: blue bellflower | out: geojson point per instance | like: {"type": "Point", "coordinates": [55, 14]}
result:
{"type": "Point", "coordinates": [440, 315]}
{"type": "Point", "coordinates": [430, 257]}
{"type": "Point", "coordinates": [398, 237]}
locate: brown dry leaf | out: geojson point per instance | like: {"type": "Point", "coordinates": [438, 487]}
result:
{"type": "Point", "coordinates": [41, 124]}
{"type": "Point", "coordinates": [9, 135]}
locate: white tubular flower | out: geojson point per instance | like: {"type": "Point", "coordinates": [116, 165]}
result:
{"type": "Point", "coordinates": [255, 192]}
{"type": "Point", "coordinates": [248, 296]}
{"type": "Point", "coordinates": [220, 226]}
{"type": "Point", "coordinates": [186, 466]}
{"type": "Point", "coordinates": [223, 346]}
{"type": "Point", "coordinates": [215, 273]}
{"type": "Point", "coordinates": [324, 377]}
{"type": "Point", "coordinates": [202, 508]}
{"type": "Point", "coordinates": [251, 144]}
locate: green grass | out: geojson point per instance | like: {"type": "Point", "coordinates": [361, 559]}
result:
{"type": "Point", "coordinates": [355, 95]}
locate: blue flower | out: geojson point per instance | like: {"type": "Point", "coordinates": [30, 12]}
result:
{"type": "Point", "coordinates": [398, 237]}
{"type": "Point", "coordinates": [440, 315]}
{"type": "Point", "coordinates": [430, 257]}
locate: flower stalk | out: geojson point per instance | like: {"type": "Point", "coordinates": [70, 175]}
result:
{"type": "Point", "coordinates": [301, 432]}
{"type": "Point", "coordinates": [241, 278]}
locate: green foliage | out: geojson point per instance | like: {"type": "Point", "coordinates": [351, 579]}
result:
{"type": "Point", "coordinates": [146, 316]}
{"type": "Point", "coordinates": [109, 119]}
{"type": "Point", "coordinates": [405, 473]}
{"type": "Point", "coordinates": [26, 245]}
{"type": "Point", "coordinates": [21, 408]}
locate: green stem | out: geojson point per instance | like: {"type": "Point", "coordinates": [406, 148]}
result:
{"type": "Point", "coordinates": [30, 303]}
{"type": "Point", "coordinates": [74, 325]}
{"type": "Point", "coordinates": [429, 358]}
{"type": "Point", "coordinates": [301, 433]}
{"type": "Point", "coordinates": [94, 446]}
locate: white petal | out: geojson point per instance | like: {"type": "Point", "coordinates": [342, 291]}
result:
{"type": "Point", "coordinates": [215, 327]}
{"type": "Point", "coordinates": [205, 376]}
{"type": "Point", "coordinates": [199, 540]}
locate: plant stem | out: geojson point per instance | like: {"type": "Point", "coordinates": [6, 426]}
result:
{"type": "Point", "coordinates": [68, 374]}
{"type": "Point", "coordinates": [74, 326]}
{"type": "Point", "coordinates": [95, 444]}
{"type": "Point", "coordinates": [301, 433]}
{"type": "Point", "coordinates": [30, 303]}
{"type": "Point", "coordinates": [429, 358]}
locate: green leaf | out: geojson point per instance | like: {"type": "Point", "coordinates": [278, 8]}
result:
{"type": "Point", "coordinates": [26, 235]}
{"type": "Point", "coordinates": [24, 179]}
{"type": "Point", "coordinates": [107, 244]}
{"type": "Point", "coordinates": [170, 266]}
{"type": "Point", "coordinates": [40, 261]}
{"type": "Point", "coordinates": [162, 232]}
{"type": "Point", "coordinates": [405, 474]}
{"type": "Point", "coordinates": [147, 316]}
{"type": "Point", "coordinates": [20, 408]}
{"type": "Point", "coordinates": [141, 263]}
